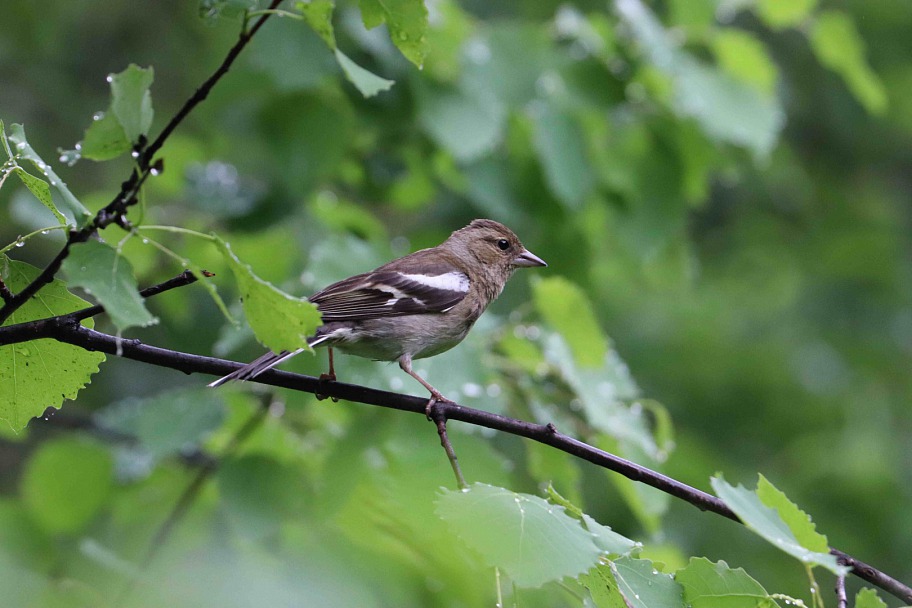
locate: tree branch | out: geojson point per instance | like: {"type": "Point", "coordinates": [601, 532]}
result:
{"type": "Point", "coordinates": [115, 210]}
{"type": "Point", "coordinates": [71, 332]}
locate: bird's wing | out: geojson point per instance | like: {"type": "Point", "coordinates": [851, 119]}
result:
{"type": "Point", "coordinates": [392, 293]}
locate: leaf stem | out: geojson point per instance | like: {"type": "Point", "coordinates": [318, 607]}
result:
{"type": "Point", "coordinates": [21, 240]}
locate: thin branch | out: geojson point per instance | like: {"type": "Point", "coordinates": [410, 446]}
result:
{"type": "Point", "coordinates": [441, 421]}
{"type": "Point", "coordinates": [115, 210]}
{"type": "Point", "coordinates": [5, 293]}
{"type": "Point", "coordinates": [73, 333]}
{"type": "Point", "coordinates": [842, 601]}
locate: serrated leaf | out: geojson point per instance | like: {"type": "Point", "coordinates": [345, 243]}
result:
{"type": "Point", "coordinates": [645, 587]}
{"type": "Point", "coordinates": [567, 309]}
{"type": "Point", "coordinates": [840, 47]}
{"type": "Point", "coordinates": [131, 101]}
{"type": "Point", "coordinates": [108, 276]}
{"type": "Point", "coordinates": [607, 539]}
{"type": "Point", "coordinates": [279, 321]}
{"type": "Point", "coordinates": [39, 374]}
{"type": "Point", "coordinates": [868, 598]}
{"type": "Point", "coordinates": [367, 83]}
{"type": "Point", "coordinates": [715, 585]}
{"type": "Point", "coordinates": [766, 522]}
{"type": "Point", "coordinates": [407, 21]}
{"type": "Point", "coordinates": [65, 483]}
{"type": "Point", "coordinates": [42, 192]}
{"type": "Point", "coordinates": [167, 423]}
{"type": "Point", "coordinates": [797, 520]}
{"type": "Point", "coordinates": [318, 15]}
{"type": "Point", "coordinates": [602, 587]}
{"type": "Point", "coordinates": [22, 149]}
{"type": "Point", "coordinates": [561, 148]}
{"type": "Point", "coordinates": [105, 138]}
{"type": "Point", "coordinates": [530, 539]}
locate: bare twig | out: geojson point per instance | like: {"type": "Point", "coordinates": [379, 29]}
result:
{"type": "Point", "coordinates": [73, 333]}
{"type": "Point", "coordinates": [115, 210]}
{"type": "Point", "coordinates": [842, 601]}
{"type": "Point", "coordinates": [440, 421]}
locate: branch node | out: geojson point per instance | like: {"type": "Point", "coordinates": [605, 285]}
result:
{"type": "Point", "coordinates": [551, 428]}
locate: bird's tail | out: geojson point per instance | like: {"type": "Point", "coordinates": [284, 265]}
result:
{"type": "Point", "coordinates": [266, 362]}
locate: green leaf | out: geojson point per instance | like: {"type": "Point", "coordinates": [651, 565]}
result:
{"type": "Point", "coordinates": [259, 493]}
{"type": "Point", "coordinates": [318, 15]}
{"type": "Point", "coordinates": [465, 125]}
{"type": "Point", "coordinates": [561, 150]}
{"type": "Point", "coordinates": [530, 539]}
{"type": "Point", "coordinates": [39, 374]}
{"type": "Point", "coordinates": [166, 423]}
{"type": "Point", "coordinates": [645, 587]}
{"type": "Point", "coordinates": [22, 149]}
{"type": "Point", "coordinates": [105, 138]}
{"type": "Point", "coordinates": [567, 309]}
{"type": "Point", "coordinates": [42, 192]}
{"type": "Point", "coordinates": [840, 47]}
{"type": "Point", "coordinates": [102, 271]}
{"type": "Point", "coordinates": [868, 598]}
{"type": "Point", "coordinates": [131, 101]}
{"type": "Point", "coordinates": [367, 83]}
{"type": "Point", "coordinates": [602, 587]}
{"type": "Point", "coordinates": [211, 10]}
{"type": "Point", "coordinates": [65, 483]}
{"type": "Point", "coordinates": [279, 321]}
{"type": "Point", "coordinates": [779, 14]}
{"type": "Point", "coordinates": [744, 57]}
{"type": "Point", "coordinates": [765, 521]}
{"type": "Point", "coordinates": [726, 109]}
{"type": "Point", "coordinates": [715, 585]}
{"type": "Point", "coordinates": [407, 21]}
{"type": "Point", "coordinates": [797, 520]}
{"type": "Point", "coordinates": [607, 539]}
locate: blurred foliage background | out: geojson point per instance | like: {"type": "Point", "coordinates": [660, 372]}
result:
{"type": "Point", "coordinates": [727, 182]}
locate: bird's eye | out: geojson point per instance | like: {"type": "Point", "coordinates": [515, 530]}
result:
{"type": "Point", "coordinates": [503, 244]}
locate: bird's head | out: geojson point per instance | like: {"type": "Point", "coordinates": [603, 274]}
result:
{"type": "Point", "coordinates": [494, 246]}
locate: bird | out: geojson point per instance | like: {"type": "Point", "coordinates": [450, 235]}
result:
{"type": "Point", "coordinates": [413, 307]}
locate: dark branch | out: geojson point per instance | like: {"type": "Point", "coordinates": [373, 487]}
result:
{"type": "Point", "coordinates": [32, 330]}
{"type": "Point", "coordinates": [115, 210]}
{"type": "Point", "coordinates": [72, 332]}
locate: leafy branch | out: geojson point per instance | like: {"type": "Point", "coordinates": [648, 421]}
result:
{"type": "Point", "coordinates": [115, 211]}
{"type": "Point", "coordinates": [67, 329]}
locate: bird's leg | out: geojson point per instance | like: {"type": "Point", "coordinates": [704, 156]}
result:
{"type": "Point", "coordinates": [405, 363]}
{"type": "Point", "coordinates": [328, 377]}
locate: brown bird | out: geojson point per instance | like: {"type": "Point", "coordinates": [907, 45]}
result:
{"type": "Point", "coordinates": [414, 307]}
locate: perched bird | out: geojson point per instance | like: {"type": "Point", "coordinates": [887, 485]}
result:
{"type": "Point", "coordinates": [414, 307]}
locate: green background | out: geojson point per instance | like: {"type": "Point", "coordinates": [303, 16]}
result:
{"type": "Point", "coordinates": [730, 190]}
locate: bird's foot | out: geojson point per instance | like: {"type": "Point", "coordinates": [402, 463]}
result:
{"type": "Point", "coordinates": [434, 400]}
{"type": "Point", "coordinates": [330, 377]}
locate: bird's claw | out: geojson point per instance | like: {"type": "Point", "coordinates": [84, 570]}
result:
{"type": "Point", "coordinates": [330, 377]}
{"type": "Point", "coordinates": [429, 408]}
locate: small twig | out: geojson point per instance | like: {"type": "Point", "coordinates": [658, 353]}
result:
{"type": "Point", "coordinates": [440, 421]}
{"type": "Point", "coordinates": [842, 601]}
{"type": "Point", "coordinates": [184, 278]}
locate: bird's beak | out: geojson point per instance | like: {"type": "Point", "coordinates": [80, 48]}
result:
{"type": "Point", "coordinates": [528, 259]}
